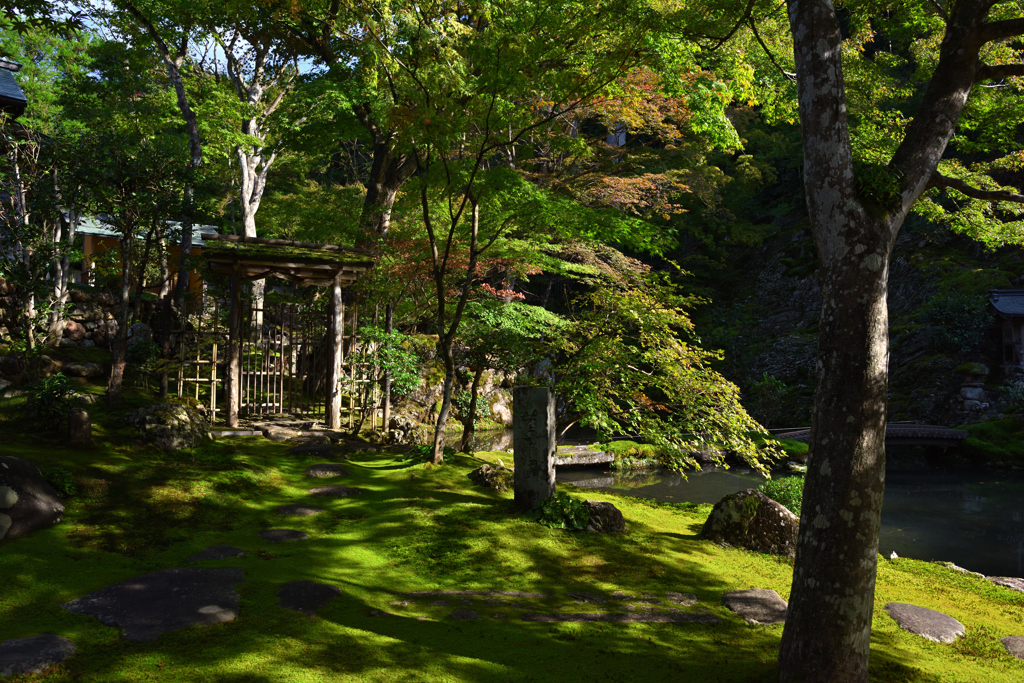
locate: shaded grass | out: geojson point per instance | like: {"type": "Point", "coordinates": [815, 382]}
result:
{"type": "Point", "coordinates": [423, 528]}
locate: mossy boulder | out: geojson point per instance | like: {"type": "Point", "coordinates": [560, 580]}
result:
{"type": "Point", "coordinates": [492, 476]}
{"type": "Point", "coordinates": [170, 426]}
{"type": "Point", "coordinates": [751, 520]}
{"type": "Point", "coordinates": [27, 501]}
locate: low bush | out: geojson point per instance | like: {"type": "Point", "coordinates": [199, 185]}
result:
{"type": "Point", "coordinates": [787, 491]}
{"type": "Point", "coordinates": [62, 482]}
{"type": "Point", "coordinates": [50, 400]}
{"type": "Point", "coordinates": [562, 511]}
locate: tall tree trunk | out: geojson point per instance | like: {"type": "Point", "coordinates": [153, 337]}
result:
{"type": "Point", "coordinates": [119, 347]}
{"type": "Point", "coordinates": [468, 444]}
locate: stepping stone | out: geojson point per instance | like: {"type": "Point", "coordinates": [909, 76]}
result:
{"type": "Point", "coordinates": [592, 598]}
{"type": "Point", "coordinates": [1013, 644]}
{"type": "Point", "coordinates": [927, 623]}
{"type": "Point", "coordinates": [279, 535]}
{"type": "Point", "coordinates": [32, 655]}
{"type": "Point", "coordinates": [217, 552]}
{"type": "Point", "coordinates": [1010, 582]}
{"type": "Point", "coordinates": [171, 599]}
{"type": "Point", "coordinates": [334, 491]}
{"type": "Point", "coordinates": [464, 615]}
{"type": "Point", "coordinates": [317, 449]}
{"type": "Point", "coordinates": [306, 596]}
{"type": "Point", "coordinates": [631, 618]}
{"type": "Point", "coordinates": [438, 603]}
{"type": "Point", "coordinates": [757, 605]}
{"type": "Point", "coordinates": [325, 469]}
{"type": "Point", "coordinates": [684, 599]}
{"type": "Point", "coordinates": [298, 510]}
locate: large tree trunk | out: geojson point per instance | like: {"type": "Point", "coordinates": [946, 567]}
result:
{"type": "Point", "coordinates": [828, 626]}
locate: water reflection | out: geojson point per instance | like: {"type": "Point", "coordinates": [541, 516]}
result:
{"type": "Point", "coordinates": [974, 518]}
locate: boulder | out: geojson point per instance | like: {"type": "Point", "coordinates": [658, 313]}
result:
{"type": "Point", "coordinates": [170, 426]}
{"type": "Point", "coordinates": [74, 330]}
{"type": "Point", "coordinates": [82, 369]}
{"type": "Point", "coordinates": [45, 366]}
{"type": "Point", "coordinates": [79, 428]}
{"type": "Point", "coordinates": [749, 519]}
{"type": "Point", "coordinates": [27, 502]}
{"type": "Point", "coordinates": [604, 517]}
{"type": "Point", "coordinates": [79, 297]}
{"type": "Point", "coordinates": [492, 476]}
{"type": "Point", "coordinates": [501, 407]}
{"type": "Point", "coordinates": [140, 333]}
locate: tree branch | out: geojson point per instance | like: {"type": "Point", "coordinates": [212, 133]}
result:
{"type": "Point", "coordinates": [1000, 30]}
{"type": "Point", "coordinates": [939, 180]}
{"type": "Point", "coordinates": [994, 72]}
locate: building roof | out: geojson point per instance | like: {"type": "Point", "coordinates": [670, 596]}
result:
{"type": "Point", "coordinates": [91, 225]}
{"type": "Point", "coordinates": [1007, 302]}
{"type": "Point", "coordinates": [301, 263]}
{"type": "Point", "coordinates": [12, 99]}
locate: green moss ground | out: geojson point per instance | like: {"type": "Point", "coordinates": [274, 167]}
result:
{"type": "Point", "coordinates": [421, 528]}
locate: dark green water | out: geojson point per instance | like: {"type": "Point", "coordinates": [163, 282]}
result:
{"type": "Point", "coordinates": [972, 518]}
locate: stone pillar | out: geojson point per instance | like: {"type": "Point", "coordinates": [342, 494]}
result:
{"type": "Point", "coordinates": [533, 445]}
{"type": "Point", "coordinates": [79, 428]}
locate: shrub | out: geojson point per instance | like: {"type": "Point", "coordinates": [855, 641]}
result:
{"type": "Point", "coordinates": [787, 491]}
{"type": "Point", "coordinates": [62, 482]}
{"type": "Point", "coordinates": [959, 320]}
{"type": "Point", "coordinates": [561, 511]}
{"type": "Point", "coordinates": [766, 397]}
{"type": "Point", "coordinates": [49, 400]}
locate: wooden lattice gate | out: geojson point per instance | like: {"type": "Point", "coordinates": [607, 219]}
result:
{"type": "Point", "coordinates": [284, 351]}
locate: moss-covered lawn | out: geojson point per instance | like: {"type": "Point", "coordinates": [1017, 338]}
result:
{"type": "Point", "coordinates": [415, 529]}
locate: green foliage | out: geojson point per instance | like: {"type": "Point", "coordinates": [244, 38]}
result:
{"type": "Point", "coordinates": [787, 491]}
{"type": "Point", "coordinates": [62, 481]}
{"type": "Point", "coordinates": [1014, 392]}
{"type": "Point", "coordinates": [959, 320]}
{"type": "Point", "coordinates": [997, 443]}
{"type": "Point", "coordinates": [562, 511]}
{"type": "Point", "coordinates": [143, 359]}
{"type": "Point", "coordinates": [630, 455]}
{"type": "Point", "coordinates": [426, 452]}
{"type": "Point", "coordinates": [627, 365]}
{"type": "Point", "coordinates": [49, 400]}
{"type": "Point", "coordinates": [766, 397]}
{"type": "Point", "coordinates": [394, 356]}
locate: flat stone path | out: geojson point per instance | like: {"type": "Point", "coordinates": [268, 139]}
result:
{"type": "Point", "coordinates": [757, 605]}
{"type": "Point", "coordinates": [298, 510]}
{"type": "Point", "coordinates": [322, 470]}
{"type": "Point", "coordinates": [279, 535]}
{"type": "Point", "coordinates": [171, 599]}
{"type": "Point", "coordinates": [306, 596]}
{"type": "Point", "coordinates": [32, 655]}
{"type": "Point", "coordinates": [1014, 645]}
{"type": "Point", "coordinates": [216, 552]}
{"type": "Point", "coordinates": [334, 491]}
{"type": "Point", "coordinates": [927, 623]}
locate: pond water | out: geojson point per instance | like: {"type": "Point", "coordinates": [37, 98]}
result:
{"type": "Point", "coordinates": [972, 518]}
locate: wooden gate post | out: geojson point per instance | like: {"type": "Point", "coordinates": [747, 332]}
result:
{"type": "Point", "coordinates": [337, 330]}
{"type": "Point", "coordinates": [232, 383]}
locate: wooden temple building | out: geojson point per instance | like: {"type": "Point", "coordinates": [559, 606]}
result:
{"type": "Point", "coordinates": [1009, 308]}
